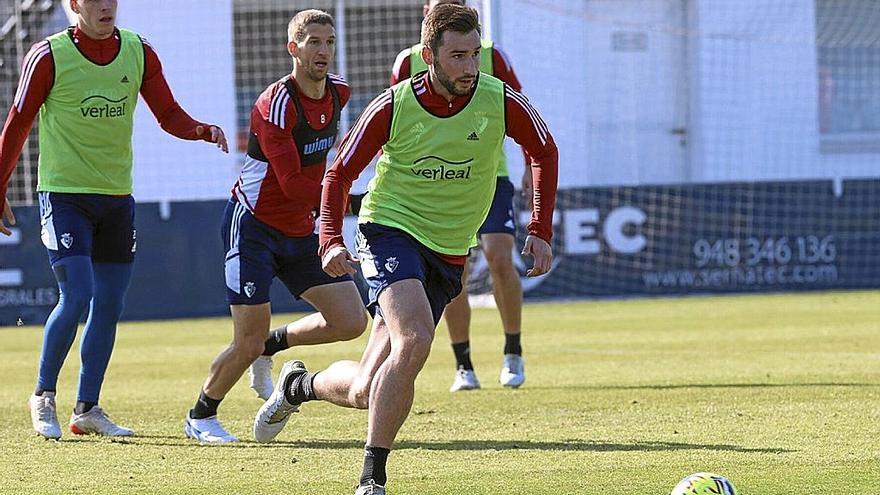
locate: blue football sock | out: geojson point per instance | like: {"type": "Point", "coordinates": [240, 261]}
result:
{"type": "Point", "coordinates": [111, 283]}
{"type": "Point", "coordinates": [75, 288]}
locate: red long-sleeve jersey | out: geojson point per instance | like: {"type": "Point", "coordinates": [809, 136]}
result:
{"type": "Point", "coordinates": [281, 192]}
{"type": "Point", "coordinates": [38, 77]}
{"type": "Point", "coordinates": [372, 131]}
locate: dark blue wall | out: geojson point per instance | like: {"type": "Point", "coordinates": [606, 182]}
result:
{"type": "Point", "coordinates": [693, 239]}
{"type": "Point", "coordinates": [178, 267]}
{"type": "Point", "coordinates": [716, 238]}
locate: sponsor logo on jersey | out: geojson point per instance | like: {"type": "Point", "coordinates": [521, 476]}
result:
{"type": "Point", "coordinates": [101, 107]}
{"type": "Point", "coordinates": [322, 144]}
{"type": "Point", "coordinates": [429, 168]}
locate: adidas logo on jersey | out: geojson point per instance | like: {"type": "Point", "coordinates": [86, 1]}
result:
{"type": "Point", "coordinates": [473, 137]}
{"type": "Point", "coordinates": [124, 79]}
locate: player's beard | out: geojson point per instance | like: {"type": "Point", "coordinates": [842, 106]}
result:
{"type": "Point", "coordinates": [447, 81]}
{"type": "Point", "coordinates": [315, 74]}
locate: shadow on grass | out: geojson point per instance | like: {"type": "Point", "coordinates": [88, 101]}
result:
{"type": "Point", "coordinates": [171, 441]}
{"type": "Point", "coordinates": [454, 445]}
{"type": "Point", "coordinates": [561, 445]}
{"type": "Point", "coordinates": [677, 386]}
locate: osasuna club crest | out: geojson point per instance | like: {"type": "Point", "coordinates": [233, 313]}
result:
{"type": "Point", "coordinates": [67, 240]}
{"type": "Point", "coordinates": [391, 264]}
{"type": "Point", "coordinates": [250, 289]}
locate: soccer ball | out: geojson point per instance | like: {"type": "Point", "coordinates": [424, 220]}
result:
{"type": "Point", "coordinates": [704, 484]}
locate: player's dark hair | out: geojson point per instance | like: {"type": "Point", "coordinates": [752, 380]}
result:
{"type": "Point", "coordinates": [456, 2]}
{"type": "Point", "coordinates": [447, 17]}
{"type": "Point", "coordinates": [296, 29]}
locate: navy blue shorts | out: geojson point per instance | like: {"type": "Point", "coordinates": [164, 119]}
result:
{"type": "Point", "coordinates": [95, 225]}
{"type": "Point", "coordinates": [388, 255]}
{"type": "Point", "coordinates": [257, 253]}
{"type": "Point", "coordinates": [500, 219]}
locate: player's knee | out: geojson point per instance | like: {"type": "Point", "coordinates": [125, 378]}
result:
{"type": "Point", "coordinates": [109, 310]}
{"type": "Point", "coordinates": [109, 307]}
{"type": "Point", "coordinates": [352, 324]}
{"type": "Point", "coordinates": [75, 301]}
{"type": "Point", "coordinates": [76, 296]}
{"type": "Point", "coordinates": [499, 260]}
{"type": "Point", "coordinates": [249, 350]}
{"type": "Point", "coordinates": [359, 395]}
{"type": "Point", "coordinates": [413, 351]}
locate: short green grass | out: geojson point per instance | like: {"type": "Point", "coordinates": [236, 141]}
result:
{"type": "Point", "coordinates": [780, 393]}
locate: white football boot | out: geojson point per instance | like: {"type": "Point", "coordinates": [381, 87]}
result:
{"type": "Point", "coordinates": [370, 489]}
{"type": "Point", "coordinates": [513, 371]}
{"type": "Point", "coordinates": [276, 411]}
{"type": "Point", "coordinates": [43, 416]}
{"type": "Point", "coordinates": [207, 430]}
{"type": "Point", "coordinates": [260, 373]}
{"type": "Point", "coordinates": [96, 422]}
{"type": "Point", "coordinates": [464, 380]}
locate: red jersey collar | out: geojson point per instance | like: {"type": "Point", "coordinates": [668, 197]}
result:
{"type": "Point", "coordinates": [304, 96]}
{"type": "Point", "coordinates": [100, 52]}
{"type": "Point", "coordinates": [89, 44]}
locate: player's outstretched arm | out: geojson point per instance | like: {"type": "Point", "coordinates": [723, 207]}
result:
{"type": "Point", "coordinates": [171, 117]}
{"type": "Point", "coordinates": [217, 136]}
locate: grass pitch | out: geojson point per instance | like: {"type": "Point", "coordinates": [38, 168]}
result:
{"type": "Point", "coordinates": [780, 393]}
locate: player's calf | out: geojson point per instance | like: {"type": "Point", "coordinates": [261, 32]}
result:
{"type": "Point", "coordinates": [346, 323]}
